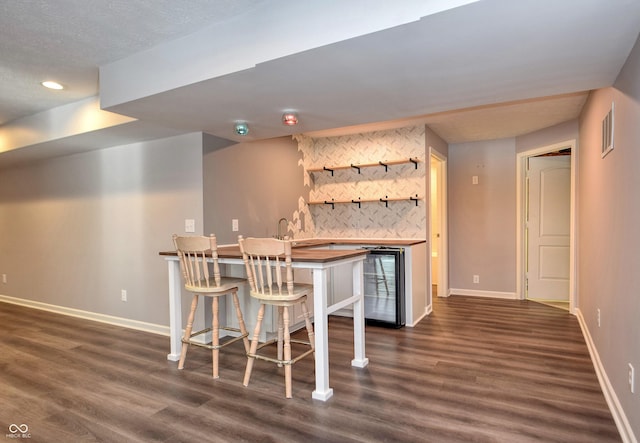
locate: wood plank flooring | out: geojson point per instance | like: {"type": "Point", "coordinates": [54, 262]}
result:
{"type": "Point", "coordinates": [480, 370]}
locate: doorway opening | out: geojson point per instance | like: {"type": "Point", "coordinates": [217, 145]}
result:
{"type": "Point", "coordinates": [439, 269]}
{"type": "Point", "coordinates": [546, 225]}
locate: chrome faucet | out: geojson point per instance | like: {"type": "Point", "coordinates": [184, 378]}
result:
{"type": "Point", "coordinates": [279, 234]}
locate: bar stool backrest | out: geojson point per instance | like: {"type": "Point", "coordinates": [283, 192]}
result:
{"type": "Point", "coordinates": [193, 252]}
{"type": "Point", "coordinates": [265, 259]}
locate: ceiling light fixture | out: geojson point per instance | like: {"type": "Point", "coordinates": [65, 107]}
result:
{"type": "Point", "coordinates": [52, 85]}
{"type": "Point", "coordinates": [242, 128]}
{"type": "Point", "coordinates": [290, 119]}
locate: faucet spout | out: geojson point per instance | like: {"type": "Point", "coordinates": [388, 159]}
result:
{"type": "Point", "coordinates": [280, 234]}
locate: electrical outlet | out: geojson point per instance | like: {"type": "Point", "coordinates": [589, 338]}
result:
{"type": "Point", "coordinates": [4, 278]}
{"type": "Point", "coordinates": [474, 180]}
{"type": "Point", "coordinates": [598, 317]}
{"type": "Point", "coordinates": [123, 295]}
{"type": "Point", "coordinates": [632, 376]}
{"type": "Point", "coordinates": [234, 225]}
{"type": "Point", "coordinates": [476, 279]}
{"type": "Point", "coordinates": [189, 225]}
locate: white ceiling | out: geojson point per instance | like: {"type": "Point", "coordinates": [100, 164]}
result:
{"type": "Point", "coordinates": [67, 40]}
{"type": "Point", "coordinates": [490, 69]}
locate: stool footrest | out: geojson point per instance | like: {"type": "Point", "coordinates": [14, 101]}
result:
{"type": "Point", "coordinates": [281, 362]}
{"type": "Point", "coordinates": [211, 346]}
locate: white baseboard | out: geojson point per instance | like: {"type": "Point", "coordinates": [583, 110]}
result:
{"type": "Point", "coordinates": [94, 316]}
{"type": "Point", "coordinates": [477, 293]}
{"type": "Point", "coordinates": [427, 311]}
{"type": "Point", "coordinates": [626, 433]}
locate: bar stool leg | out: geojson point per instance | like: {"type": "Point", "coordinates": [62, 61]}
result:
{"type": "Point", "coordinates": [215, 335]}
{"type": "Point", "coordinates": [280, 333]}
{"type": "Point", "coordinates": [243, 327]}
{"type": "Point", "coordinates": [187, 331]}
{"type": "Point", "coordinates": [307, 321]}
{"type": "Point", "coordinates": [287, 353]}
{"type": "Point", "coordinates": [254, 346]}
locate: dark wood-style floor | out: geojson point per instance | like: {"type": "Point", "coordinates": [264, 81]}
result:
{"type": "Point", "coordinates": [475, 370]}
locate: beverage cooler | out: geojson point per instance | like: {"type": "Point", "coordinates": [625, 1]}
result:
{"type": "Point", "coordinates": [384, 301]}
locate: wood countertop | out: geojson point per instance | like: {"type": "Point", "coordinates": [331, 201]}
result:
{"type": "Point", "coordinates": [307, 250]}
{"type": "Point", "coordinates": [316, 242]}
{"type": "Point", "coordinates": [300, 254]}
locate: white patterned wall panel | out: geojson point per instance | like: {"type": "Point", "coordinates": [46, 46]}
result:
{"type": "Point", "coordinates": [401, 219]}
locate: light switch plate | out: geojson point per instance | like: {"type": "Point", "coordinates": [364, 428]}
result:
{"type": "Point", "coordinates": [189, 225]}
{"type": "Point", "coordinates": [234, 225]}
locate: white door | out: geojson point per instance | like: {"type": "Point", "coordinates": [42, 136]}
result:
{"type": "Point", "coordinates": [548, 227]}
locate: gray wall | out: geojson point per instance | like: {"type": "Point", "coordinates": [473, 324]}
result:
{"type": "Point", "coordinates": [255, 182]}
{"type": "Point", "coordinates": [608, 234]}
{"type": "Point", "coordinates": [482, 217]}
{"type": "Point", "coordinates": [548, 136]}
{"type": "Point", "coordinates": [78, 229]}
{"type": "Point", "coordinates": [433, 140]}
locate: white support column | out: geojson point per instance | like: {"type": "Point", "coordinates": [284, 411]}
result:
{"type": "Point", "coordinates": [359, 359]}
{"type": "Point", "coordinates": [175, 309]}
{"type": "Point", "coordinates": [323, 391]}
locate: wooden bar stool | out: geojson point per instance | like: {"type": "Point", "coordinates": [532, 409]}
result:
{"type": "Point", "coordinates": [265, 259]}
{"type": "Point", "coordinates": [193, 252]}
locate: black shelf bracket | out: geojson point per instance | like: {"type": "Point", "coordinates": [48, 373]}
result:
{"type": "Point", "coordinates": [324, 168]}
{"type": "Point", "coordinates": [333, 205]}
{"type": "Point", "coordinates": [359, 203]}
{"type": "Point", "coordinates": [415, 199]}
{"type": "Point", "coordinates": [415, 163]}
{"type": "Point", "coordinates": [386, 168]}
{"type": "Point", "coordinates": [386, 202]}
{"type": "Point", "coordinates": [356, 167]}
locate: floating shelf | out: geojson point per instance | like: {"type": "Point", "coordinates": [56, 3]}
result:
{"type": "Point", "coordinates": [359, 166]}
{"type": "Point", "coordinates": [359, 201]}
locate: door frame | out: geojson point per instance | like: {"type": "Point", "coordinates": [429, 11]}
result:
{"type": "Point", "coordinates": [521, 189]}
{"type": "Point", "coordinates": [443, 274]}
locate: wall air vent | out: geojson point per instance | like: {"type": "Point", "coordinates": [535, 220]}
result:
{"type": "Point", "coordinates": [607, 132]}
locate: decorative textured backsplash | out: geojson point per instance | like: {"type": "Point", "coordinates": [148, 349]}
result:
{"type": "Point", "coordinates": [396, 219]}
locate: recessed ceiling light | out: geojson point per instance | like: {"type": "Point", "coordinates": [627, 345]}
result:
{"type": "Point", "coordinates": [290, 119]}
{"type": "Point", "coordinates": [52, 85]}
{"type": "Point", "coordinates": [241, 128]}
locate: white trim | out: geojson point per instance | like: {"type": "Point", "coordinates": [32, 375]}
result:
{"type": "Point", "coordinates": [477, 293]}
{"type": "Point", "coordinates": [93, 316]}
{"type": "Point", "coordinates": [520, 212]}
{"type": "Point", "coordinates": [626, 433]}
{"type": "Point", "coordinates": [427, 311]}
{"type": "Point", "coordinates": [443, 277]}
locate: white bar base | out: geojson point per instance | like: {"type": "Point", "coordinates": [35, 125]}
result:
{"type": "Point", "coordinates": [360, 363]}
{"type": "Point", "coordinates": [322, 396]}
